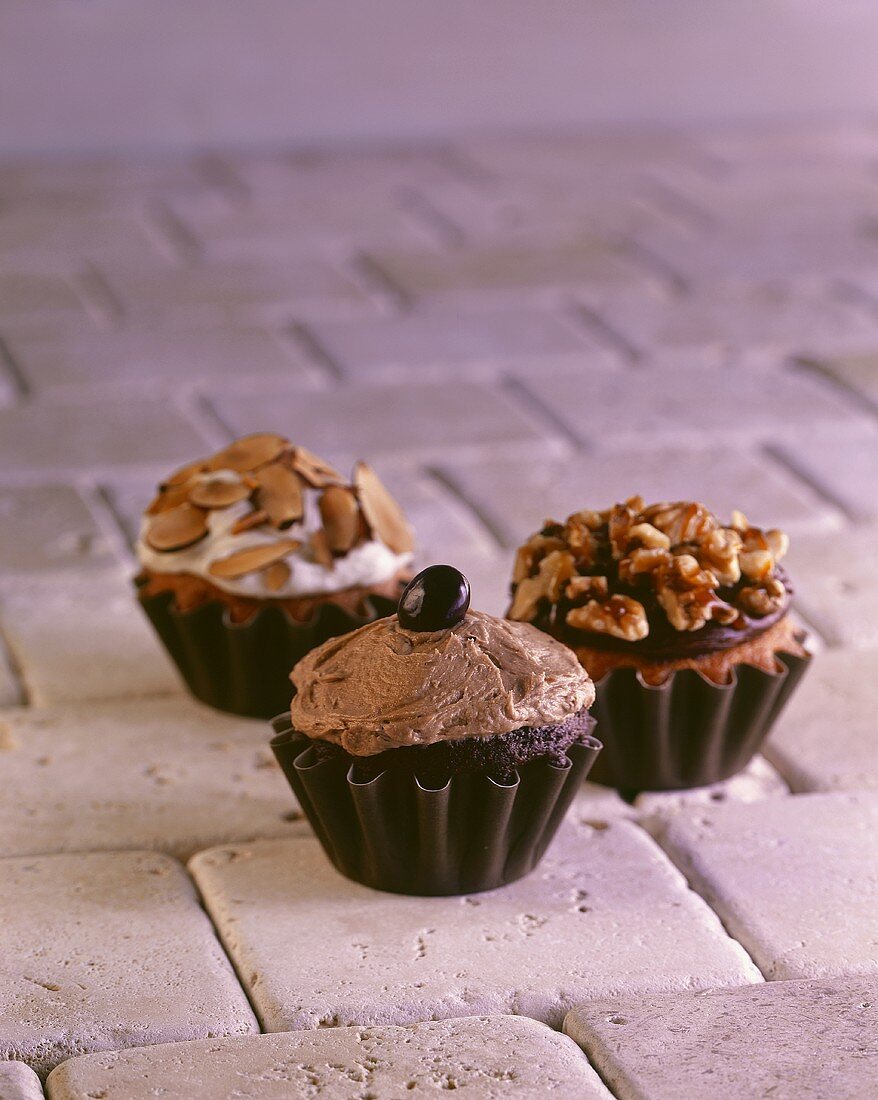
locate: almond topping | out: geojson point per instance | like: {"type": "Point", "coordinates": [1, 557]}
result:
{"type": "Point", "coordinates": [184, 474]}
{"type": "Point", "coordinates": [246, 523]}
{"type": "Point", "coordinates": [340, 514]}
{"type": "Point", "coordinates": [277, 575]}
{"type": "Point", "coordinates": [383, 515]}
{"type": "Point", "coordinates": [218, 492]}
{"type": "Point", "coordinates": [177, 528]}
{"type": "Point", "coordinates": [314, 470]}
{"type": "Point", "coordinates": [171, 497]}
{"type": "Point", "coordinates": [249, 452]}
{"type": "Point", "coordinates": [253, 559]}
{"type": "Point", "coordinates": [319, 546]}
{"type": "Point", "coordinates": [280, 495]}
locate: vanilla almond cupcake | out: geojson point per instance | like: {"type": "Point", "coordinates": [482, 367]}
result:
{"type": "Point", "coordinates": [684, 624]}
{"type": "Point", "coordinates": [436, 751]}
{"type": "Point", "coordinates": [256, 554]}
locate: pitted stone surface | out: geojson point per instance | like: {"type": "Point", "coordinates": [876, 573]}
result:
{"type": "Point", "coordinates": [834, 591]}
{"type": "Point", "coordinates": [825, 739]}
{"type": "Point", "coordinates": [696, 404]}
{"type": "Point", "coordinates": [108, 950]}
{"type": "Point", "coordinates": [516, 496]}
{"type": "Point", "coordinates": [418, 421]}
{"type": "Point", "coordinates": [487, 1057]}
{"type": "Point", "coordinates": [167, 774]}
{"type": "Point", "coordinates": [788, 1040]}
{"type": "Point", "coordinates": [19, 1082]}
{"type": "Point", "coordinates": [83, 637]}
{"type": "Point", "coordinates": [795, 880]}
{"type": "Point", "coordinates": [46, 527]}
{"type": "Point", "coordinates": [604, 911]}
{"type": "Point", "coordinates": [656, 809]}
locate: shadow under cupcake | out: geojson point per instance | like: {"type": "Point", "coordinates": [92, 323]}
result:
{"type": "Point", "coordinates": [684, 625]}
{"type": "Point", "coordinates": [436, 751]}
{"type": "Point", "coordinates": [253, 556]}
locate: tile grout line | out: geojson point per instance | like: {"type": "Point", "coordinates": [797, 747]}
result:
{"type": "Point", "coordinates": [17, 377]}
{"type": "Point", "coordinates": [448, 481]}
{"type": "Point", "coordinates": [779, 455]}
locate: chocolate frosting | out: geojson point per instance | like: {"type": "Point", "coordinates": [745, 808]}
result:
{"type": "Point", "coordinates": [383, 687]}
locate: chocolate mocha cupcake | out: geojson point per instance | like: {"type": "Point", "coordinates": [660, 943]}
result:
{"type": "Point", "coordinates": [682, 621]}
{"type": "Point", "coordinates": [255, 555]}
{"type": "Point", "coordinates": [436, 751]}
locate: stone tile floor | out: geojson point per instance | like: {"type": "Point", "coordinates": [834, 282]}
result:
{"type": "Point", "coordinates": [508, 327]}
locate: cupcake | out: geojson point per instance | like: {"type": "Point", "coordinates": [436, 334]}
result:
{"type": "Point", "coordinates": [683, 623]}
{"type": "Point", "coordinates": [437, 750]}
{"type": "Point", "coordinates": [259, 553]}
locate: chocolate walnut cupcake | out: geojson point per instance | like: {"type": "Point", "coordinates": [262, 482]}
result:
{"type": "Point", "coordinates": [684, 624]}
{"type": "Point", "coordinates": [436, 751]}
{"type": "Point", "coordinates": [256, 554]}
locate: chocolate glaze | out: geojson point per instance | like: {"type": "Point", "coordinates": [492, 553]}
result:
{"type": "Point", "coordinates": [664, 642]}
{"type": "Point", "coordinates": [497, 756]}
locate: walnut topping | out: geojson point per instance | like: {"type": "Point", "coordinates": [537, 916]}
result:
{"type": "Point", "coordinates": [613, 571]}
{"type": "Point", "coordinates": [619, 616]}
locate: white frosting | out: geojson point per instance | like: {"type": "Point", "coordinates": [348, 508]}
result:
{"type": "Point", "coordinates": [370, 563]}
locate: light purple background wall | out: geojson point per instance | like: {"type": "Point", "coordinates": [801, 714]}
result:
{"type": "Point", "coordinates": [138, 74]}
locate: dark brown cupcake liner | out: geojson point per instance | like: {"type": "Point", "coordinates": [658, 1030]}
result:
{"type": "Point", "coordinates": [687, 732]}
{"type": "Point", "coordinates": [244, 668]}
{"type": "Point", "coordinates": [392, 833]}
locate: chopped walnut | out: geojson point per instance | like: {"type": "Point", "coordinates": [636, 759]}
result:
{"type": "Point", "coordinates": [687, 593]}
{"type": "Point", "coordinates": [682, 521]}
{"type": "Point", "coordinates": [579, 587]}
{"type": "Point", "coordinates": [762, 599]}
{"type": "Point", "coordinates": [719, 554]}
{"type": "Point", "coordinates": [555, 571]}
{"type": "Point", "coordinates": [618, 616]}
{"type": "Point", "coordinates": [676, 555]}
{"type": "Point", "coordinates": [640, 562]}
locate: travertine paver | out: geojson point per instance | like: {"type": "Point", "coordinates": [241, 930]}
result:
{"type": "Point", "coordinates": [784, 1040]}
{"type": "Point", "coordinates": [164, 773]}
{"type": "Point", "coordinates": [145, 357]}
{"type": "Point", "coordinates": [733, 316]}
{"type": "Point", "coordinates": [108, 950]}
{"type": "Point", "coordinates": [826, 738]}
{"type": "Point", "coordinates": [465, 342]}
{"type": "Point", "coordinates": [497, 273]}
{"type": "Point", "coordinates": [52, 437]}
{"type": "Point", "coordinates": [604, 911]}
{"type": "Point", "coordinates": [795, 880]}
{"type": "Point", "coordinates": [845, 468]}
{"type": "Point", "coordinates": [83, 637]}
{"type": "Point", "coordinates": [27, 295]}
{"type": "Point", "coordinates": [656, 809]}
{"type": "Point", "coordinates": [695, 404]}
{"type": "Point", "coordinates": [516, 496]}
{"type": "Point", "coordinates": [835, 590]}
{"type": "Point", "coordinates": [423, 422]}
{"type": "Point", "coordinates": [19, 1082]}
{"type": "Point", "coordinates": [485, 1056]}
{"type": "Point", "coordinates": [46, 527]}
{"type": "Point", "coordinates": [301, 285]}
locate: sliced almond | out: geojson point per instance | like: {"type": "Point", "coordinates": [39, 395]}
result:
{"type": "Point", "coordinates": [184, 474]}
{"type": "Point", "coordinates": [177, 528]}
{"type": "Point", "coordinates": [320, 552]}
{"type": "Point", "coordinates": [383, 515]}
{"type": "Point", "coordinates": [218, 492]}
{"type": "Point", "coordinates": [280, 495]}
{"type": "Point", "coordinates": [340, 514]}
{"type": "Point", "coordinates": [249, 452]}
{"type": "Point", "coordinates": [253, 559]}
{"type": "Point", "coordinates": [168, 498]}
{"type": "Point", "coordinates": [246, 523]}
{"type": "Point", "coordinates": [314, 470]}
{"type": "Point", "coordinates": [277, 575]}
